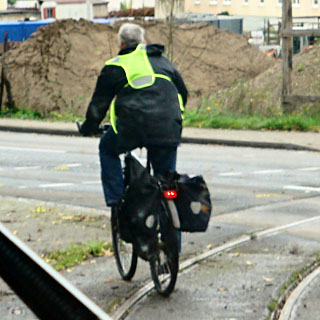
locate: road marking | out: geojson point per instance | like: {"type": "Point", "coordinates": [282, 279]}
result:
{"type": "Point", "coordinates": [309, 169]}
{"type": "Point", "coordinates": [302, 188]}
{"type": "Point", "coordinates": [267, 171]}
{"type": "Point", "coordinates": [73, 165]}
{"type": "Point", "coordinates": [229, 174]}
{"type": "Point", "coordinates": [91, 182]}
{"type": "Point", "coordinates": [55, 185]}
{"type": "Point", "coordinates": [32, 149]}
{"type": "Point", "coordinates": [27, 168]}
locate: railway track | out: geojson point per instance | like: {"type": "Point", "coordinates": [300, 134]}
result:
{"type": "Point", "coordinates": [123, 311]}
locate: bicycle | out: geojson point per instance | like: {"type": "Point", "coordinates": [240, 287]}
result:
{"type": "Point", "coordinates": [163, 256]}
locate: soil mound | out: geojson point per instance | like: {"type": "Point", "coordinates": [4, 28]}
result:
{"type": "Point", "coordinates": [57, 67]}
{"type": "Point", "coordinates": [262, 95]}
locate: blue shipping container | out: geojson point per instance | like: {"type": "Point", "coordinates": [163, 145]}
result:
{"type": "Point", "coordinates": [19, 31]}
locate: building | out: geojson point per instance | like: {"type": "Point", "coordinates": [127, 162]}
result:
{"type": "Point", "coordinates": [115, 5]}
{"type": "Point", "coordinates": [65, 9]}
{"type": "Point", "coordinates": [256, 13]}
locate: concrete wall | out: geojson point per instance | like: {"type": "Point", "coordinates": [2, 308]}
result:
{"type": "Point", "coordinates": [100, 10]}
{"type": "Point", "coordinates": [19, 15]}
{"type": "Point", "coordinates": [3, 5]}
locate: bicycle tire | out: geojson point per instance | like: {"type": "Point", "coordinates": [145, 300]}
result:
{"type": "Point", "coordinates": [164, 265]}
{"type": "Point", "coordinates": [124, 253]}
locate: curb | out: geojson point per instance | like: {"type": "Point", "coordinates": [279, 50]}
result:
{"type": "Point", "coordinates": [203, 141]}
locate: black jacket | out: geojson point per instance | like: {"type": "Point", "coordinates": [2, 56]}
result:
{"type": "Point", "coordinates": [148, 116]}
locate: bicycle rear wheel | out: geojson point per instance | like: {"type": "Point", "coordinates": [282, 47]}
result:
{"type": "Point", "coordinates": [126, 258]}
{"type": "Point", "coordinates": [164, 265]}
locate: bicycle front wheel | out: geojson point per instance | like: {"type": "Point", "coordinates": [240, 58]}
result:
{"type": "Point", "coordinates": [125, 255]}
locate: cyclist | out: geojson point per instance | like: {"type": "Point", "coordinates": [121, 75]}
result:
{"type": "Point", "coordinates": [146, 95]}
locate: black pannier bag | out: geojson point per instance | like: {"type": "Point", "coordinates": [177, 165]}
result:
{"type": "Point", "coordinates": [141, 199]}
{"type": "Point", "coordinates": [193, 202]}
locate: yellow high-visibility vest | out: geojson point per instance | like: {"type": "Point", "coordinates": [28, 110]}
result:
{"type": "Point", "coordinates": [139, 73]}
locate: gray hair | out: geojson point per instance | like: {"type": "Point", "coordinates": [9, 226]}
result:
{"type": "Point", "coordinates": [131, 34]}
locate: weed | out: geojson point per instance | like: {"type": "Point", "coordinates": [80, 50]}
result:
{"type": "Point", "coordinates": [300, 67]}
{"type": "Point", "coordinates": [75, 254]}
{"type": "Point", "coordinates": [253, 236]}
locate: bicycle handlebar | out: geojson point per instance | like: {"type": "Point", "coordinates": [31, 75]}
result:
{"type": "Point", "coordinates": [102, 128]}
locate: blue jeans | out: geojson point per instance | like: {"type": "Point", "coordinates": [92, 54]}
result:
{"type": "Point", "coordinates": [163, 158]}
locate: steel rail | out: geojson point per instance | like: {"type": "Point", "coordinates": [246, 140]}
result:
{"type": "Point", "coordinates": [123, 311]}
{"type": "Point", "coordinates": [288, 310]}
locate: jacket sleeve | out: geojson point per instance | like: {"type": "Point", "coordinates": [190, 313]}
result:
{"type": "Point", "coordinates": [180, 85]}
{"type": "Point", "coordinates": [109, 82]}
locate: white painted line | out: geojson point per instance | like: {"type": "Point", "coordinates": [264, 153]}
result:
{"type": "Point", "coordinates": [309, 169]}
{"type": "Point", "coordinates": [73, 165]}
{"type": "Point", "coordinates": [288, 311]}
{"type": "Point", "coordinates": [55, 185]}
{"type": "Point", "coordinates": [27, 168]}
{"type": "Point", "coordinates": [92, 182]}
{"type": "Point", "coordinates": [31, 149]}
{"type": "Point", "coordinates": [267, 171]}
{"type": "Point", "coordinates": [302, 188]}
{"type": "Point", "coordinates": [229, 174]}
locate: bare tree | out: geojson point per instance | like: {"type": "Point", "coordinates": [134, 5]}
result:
{"type": "Point", "coordinates": [170, 7]}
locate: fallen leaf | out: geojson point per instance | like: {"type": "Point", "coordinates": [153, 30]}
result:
{"type": "Point", "coordinates": [61, 168]}
{"type": "Point", "coordinates": [15, 232]}
{"type": "Point", "coordinates": [249, 263]}
{"type": "Point", "coordinates": [267, 279]}
{"type": "Point", "coordinates": [267, 195]}
{"type": "Point", "coordinates": [209, 246]}
{"type": "Point", "coordinates": [39, 210]}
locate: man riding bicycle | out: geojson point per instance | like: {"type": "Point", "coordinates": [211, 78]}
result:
{"type": "Point", "coordinates": [146, 95]}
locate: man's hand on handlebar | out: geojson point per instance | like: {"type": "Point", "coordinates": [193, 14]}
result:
{"type": "Point", "coordinates": [88, 130]}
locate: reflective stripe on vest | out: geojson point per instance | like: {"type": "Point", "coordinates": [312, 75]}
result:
{"type": "Point", "coordinates": [139, 74]}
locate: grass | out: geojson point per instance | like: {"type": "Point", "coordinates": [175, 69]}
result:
{"type": "Point", "coordinates": [295, 278]}
{"type": "Point", "coordinates": [75, 254]}
{"type": "Point", "coordinates": [201, 117]}
{"type": "Point", "coordinates": [28, 114]}
{"type": "Point", "coordinates": [210, 118]}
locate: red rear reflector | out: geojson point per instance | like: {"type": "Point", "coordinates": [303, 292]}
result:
{"type": "Point", "coordinates": [170, 194]}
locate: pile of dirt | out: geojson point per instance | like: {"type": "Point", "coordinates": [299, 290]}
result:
{"type": "Point", "coordinates": [57, 67]}
{"type": "Point", "coordinates": [262, 95]}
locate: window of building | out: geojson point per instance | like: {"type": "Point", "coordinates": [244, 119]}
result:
{"type": "Point", "coordinates": [315, 3]}
{"type": "Point", "coordinates": [296, 3]}
{"type": "Point", "coordinates": [213, 2]}
{"type": "Point", "coordinates": [245, 2]}
{"type": "Point", "coordinates": [261, 2]}
{"type": "Point", "coordinates": [227, 2]}
{"type": "Point", "coordinates": [49, 13]}
{"type": "Point", "coordinates": [196, 1]}
{"type": "Point", "coordinates": [279, 3]}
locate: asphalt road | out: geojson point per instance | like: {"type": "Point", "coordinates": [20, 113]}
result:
{"type": "Point", "coordinates": [251, 189]}
{"type": "Point", "coordinates": [66, 170]}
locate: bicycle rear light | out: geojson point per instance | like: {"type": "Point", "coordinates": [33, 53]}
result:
{"type": "Point", "coordinates": [170, 194]}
